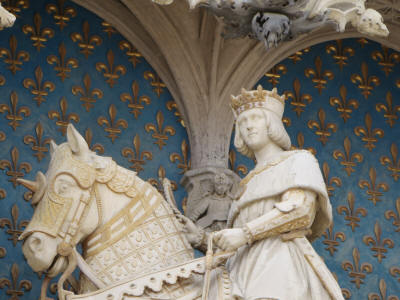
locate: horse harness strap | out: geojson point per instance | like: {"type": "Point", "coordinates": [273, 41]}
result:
{"type": "Point", "coordinates": [138, 209]}
{"type": "Point", "coordinates": [69, 236]}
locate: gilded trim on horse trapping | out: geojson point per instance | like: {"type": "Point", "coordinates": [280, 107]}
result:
{"type": "Point", "coordinates": [64, 162]}
{"type": "Point", "coordinates": [105, 174]}
{"type": "Point", "coordinates": [123, 181]}
{"type": "Point", "coordinates": [49, 216]}
{"type": "Point", "coordinates": [137, 259]}
{"type": "Point", "coordinates": [115, 229]}
{"type": "Point", "coordinates": [159, 234]}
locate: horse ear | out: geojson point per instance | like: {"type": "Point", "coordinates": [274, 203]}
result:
{"type": "Point", "coordinates": [53, 147]}
{"type": "Point", "coordinates": [76, 141]}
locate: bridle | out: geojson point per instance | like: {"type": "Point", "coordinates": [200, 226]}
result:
{"type": "Point", "coordinates": [67, 247]}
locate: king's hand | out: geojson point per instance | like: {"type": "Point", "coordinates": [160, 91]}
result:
{"type": "Point", "coordinates": [230, 239]}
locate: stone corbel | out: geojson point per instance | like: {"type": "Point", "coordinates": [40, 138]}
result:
{"type": "Point", "coordinates": [211, 191]}
{"type": "Point", "coordinates": [275, 21]}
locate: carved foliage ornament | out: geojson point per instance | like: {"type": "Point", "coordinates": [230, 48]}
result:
{"type": "Point", "coordinates": [274, 21]}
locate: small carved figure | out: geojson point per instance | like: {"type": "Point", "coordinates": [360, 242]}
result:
{"type": "Point", "coordinates": [217, 200]}
{"type": "Point", "coordinates": [283, 206]}
{"type": "Point", "coordinates": [7, 19]}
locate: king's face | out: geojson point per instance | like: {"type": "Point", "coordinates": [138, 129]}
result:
{"type": "Point", "coordinates": [253, 128]}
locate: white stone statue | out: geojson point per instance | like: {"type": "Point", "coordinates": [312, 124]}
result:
{"type": "Point", "coordinates": [282, 207]}
{"type": "Point", "coordinates": [7, 19]}
{"type": "Point", "coordinates": [132, 240]}
{"type": "Point", "coordinates": [136, 244]}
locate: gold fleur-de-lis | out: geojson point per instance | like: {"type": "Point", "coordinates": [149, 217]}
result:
{"type": "Point", "coordinates": [39, 89]}
{"type": "Point", "coordinates": [351, 213]}
{"type": "Point", "coordinates": [136, 103]}
{"type": "Point", "coordinates": [295, 57]}
{"type": "Point", "coordinates": [14, 168]}
{"type": "Point", "coordinates": [369, 133]}
{"type": "Point", "coordinates": [15, 6]}
{"type": "Point", "coordinates": [172, 105]}
{"type": "Point", "coordinates": [158, 183]}
{"type": "Point", "coordinates": [331, 239]}
{"type": "Point", "coordinates": [85, 42]}
{"type": "Point", "coordinates": [183, 160]}
{"type": "Point", "coordinates": [14, 228]}
{"type": "Point", "coordinates": [389, 110]}
{"type": "Point", "coordinates": [373, 188]}
{"type": "Point", "coordinates": [300, 144]}
{"type": "Point", "coordinates": [330, 181]}
{"type": "Point", "coordinates": [38, 35]}
{"type": "Point", "coordinates": [110, 72]}
{"type": "Point", "coordinates": [362, 42]}
{"type": "Point", "coordinates": [356, 271]}
{"type": "Point", "coordinates": [62, 15]}
{"type": "Point", "coordinates": [232, 164]}
{"type": "Point", "coordinates": [156, 82]}
{"type": "Point", "coordinates": [2, 136]}
{"type": "Point", "coordinates": [386, 60]}
{"type": "Point", "coordinates": [378, 245]}
{"type": "Point", "coordinates": [286, 121]}
{"type": "Point", "coordinates": [112, 124]}
{"type": "Point", "coordinates": [395, 271]}
{"type": "Point", "coordinates": [274, 75]}
{"type": "Point", "coordinates": [132, 53]}
{"type": "Point", "coordinates": [339, 53]}
{"type": "Point", "coordinates": [298, 100]}
{"type": "Point", "coordinates": [38, 143]}
{"type": "Point", "coordinates": [394, 163]}
{"type": "Point", "coordinates": [107, 28]}
{"type": "Point", "coordinates": [96, 147]}
{"type": "Point", "coordinates": [343, 105]}
{"type": "Point", "coordinates": [87, 95]}
{"type": "Point", "coordinates": [319, 75]}
{"type": "Point", "coordinates": [346, 293]}
{"type": "Point", "coordinates": [14, 113]}
{"type": "Point", "coordinates": [63, 119]}
{"type": "Point", "coordinates": [15, 288]}
{"type": "Point", "coordinates": [3, 252]}
{"type": "Point", "coordinates": [14, 58]}
{"type": "Point", "coordinates": [365, 81]}
{"type": "Point", "coordinates": [323, 129]}
{"type": "Point", "coordinates": [160, 133]}
{"type": "Point", "coordinates": [382, 292]}
{"type": "Point", "coordinates": [2, 80]}
{"type": "Point", "coordinates": [62, 64]}
{"type": "Point", "coordinates": [137, 158]}
{"type": "Point", "coordinates": [348, 159]}
{"type": "Point", "coordinates": [389, 214]}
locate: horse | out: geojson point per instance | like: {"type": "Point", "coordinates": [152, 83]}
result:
{"type": "Point", "coordinates": [129, 233]}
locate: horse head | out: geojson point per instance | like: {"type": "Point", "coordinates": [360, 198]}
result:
{"type": "Point", "coordinates": [63, 199]}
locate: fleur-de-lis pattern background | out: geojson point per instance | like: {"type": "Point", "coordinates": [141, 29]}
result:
{"type": "Point", "coordinates": [343, 104]}
{"type": "Point", "coordinates": [61, 64]}
{"type": "Point", "coordinates": [86, 74]}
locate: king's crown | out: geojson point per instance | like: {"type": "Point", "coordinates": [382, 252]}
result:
{"type": "Point", "coordinates": [258, 98]}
